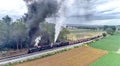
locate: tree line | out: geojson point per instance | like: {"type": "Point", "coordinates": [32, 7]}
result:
{"type": "Point", "coordinates": [14, 35]}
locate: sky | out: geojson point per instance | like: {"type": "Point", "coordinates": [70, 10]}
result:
{"type": "Point", "coordinates": [107, 11]}
{"type": "Point", "coordinates": [13, 8]}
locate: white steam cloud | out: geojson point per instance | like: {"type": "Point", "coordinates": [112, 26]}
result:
{"type": "Point", "coordinates": [62, 16]}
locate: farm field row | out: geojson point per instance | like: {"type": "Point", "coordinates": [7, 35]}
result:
{"type": "Point", "coordinates": [110, 59]}
{"type": "Point", "coordinates": [82, 56]}
{"type": "Point", "coordinates": [82, 33]}
{"type": "Point", "coordinates": [112, 45]}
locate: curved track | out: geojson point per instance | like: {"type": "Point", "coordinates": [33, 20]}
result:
{"type": "Point", "coordinates": [24, 57]}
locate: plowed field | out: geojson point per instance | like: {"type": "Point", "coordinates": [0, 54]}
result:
{"type": "Point", "coordinates": [82, 56]}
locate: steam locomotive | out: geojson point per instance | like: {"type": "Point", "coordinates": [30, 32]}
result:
{"type": "Point", "coordinates": [59, 44]}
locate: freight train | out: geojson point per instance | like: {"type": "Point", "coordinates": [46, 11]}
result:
{"type": "Point", "coordinates": [60, 44]}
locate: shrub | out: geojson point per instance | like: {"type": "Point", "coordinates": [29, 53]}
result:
{"type": "Point", "coordinates": [104, 34]}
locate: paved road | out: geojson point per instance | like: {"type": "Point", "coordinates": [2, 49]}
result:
{"type": "Point", "coordinates": [24, 57]}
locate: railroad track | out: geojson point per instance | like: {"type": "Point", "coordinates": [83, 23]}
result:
{"type": "Point", "coordinates": [24, 57]}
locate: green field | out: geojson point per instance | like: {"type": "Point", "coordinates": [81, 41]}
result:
{"type": "Point", "coordinates": [110, 59]}
{"type": "Point", "coordinates": [111, 43]}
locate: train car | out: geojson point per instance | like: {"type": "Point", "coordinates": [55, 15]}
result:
{"type": "Point", "coordinates": [56, 44]}
{"type": "Point", "coordinates": [59, 44]}
{"type": "Point", "coordinates": [44, 47]}
{"type": "Point", "coordinates": [32, 50]}
{"type": "Point", "coordinates": [40, 48]}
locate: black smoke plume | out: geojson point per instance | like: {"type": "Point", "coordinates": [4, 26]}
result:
{"type": "Point", "coordinates": [38, 10]}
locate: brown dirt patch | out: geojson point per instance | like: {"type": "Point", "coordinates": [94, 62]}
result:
{"type": "Point", "coordinates": [82, 56]}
